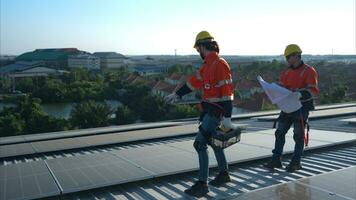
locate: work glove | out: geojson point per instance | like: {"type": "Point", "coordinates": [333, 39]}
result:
{"type": "Point", "coordinates": [227, 125]}
{"type": "Point", "coordinates": [171, 98]}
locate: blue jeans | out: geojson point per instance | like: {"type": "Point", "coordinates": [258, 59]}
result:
{"type": "Point", "coordinates": [207, 127]}
{"type": "Point", "coordinates": [285, 121]}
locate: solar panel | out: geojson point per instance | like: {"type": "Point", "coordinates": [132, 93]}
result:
{"type": "Point", "coordinates": [139, 135]}
{"type": "Point", "coordinates": [332, 136]}
{"type": "Point", "coordinates": [263, 140]}
{"type": "Point", "coordinates": [188, 147]}
{"type": "Point", "coordinates": [94, 170]}
{"type": "Point", "coordinates": [234, 154]}
{"type": "Point", "coordinates": [160, 159]}
{"type": "Point", "coordinates": [266, 138]}
{"type": "Point", "coordinates": [11, 140]}
{"type": "Point", "coordinates": [339, 182]}
{"type": "Point", "coordinates": [335, 185]}
{"type": "Point", "coordinates": [318, 114]}
{"type": "Point", "coordinates": [15, 150]}
{"type": "Point", "coordinates": [59, 144]}
{"type": "Point", "coordinates": [97, 131]}
{"type": "Point", "coordinates": [96, 140]}
{"type": "Point", "coordinates": [26, 181]}
{"type": "Point", "coordinates": [242, 152]}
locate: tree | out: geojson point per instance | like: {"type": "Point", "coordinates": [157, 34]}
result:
{"type": "Point", "coordinates": [11, 125]}
{"type": "Point", "coordinates": [28, 118]}
{"type": "Point", "coordinates": [151, 108]}
{"type": "Point", "coordinates": [183, 111]}
{"type": "Point", "coordinates": [53, 91]}
{"type": "Point", "coordinates": [25, 84]}
{"type": "Point", "coordinates": [90, 114]}
{"type": "Point", "coordinates": [124, 115]}
{"type": "Point", "coordinates": [336, 94]}
{"type": "Point", "coordinates": [134, 95]}
{"type": "Point", "coordinates": [181, 69]}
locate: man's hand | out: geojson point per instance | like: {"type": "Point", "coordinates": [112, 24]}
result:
{"type": "Point", "coordinates": [171, 98]}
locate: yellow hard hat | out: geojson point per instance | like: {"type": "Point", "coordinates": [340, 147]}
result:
{"type": "Point", "coordinates": [292, 48]}
{"type": "Point", "coordinates": [202, 36]}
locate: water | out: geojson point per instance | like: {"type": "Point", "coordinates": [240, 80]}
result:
{"type": "Point", "coordinates": [61, 110]}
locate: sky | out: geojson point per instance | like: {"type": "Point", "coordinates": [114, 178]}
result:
{"type": "Point", "coordinates": [159, 27]}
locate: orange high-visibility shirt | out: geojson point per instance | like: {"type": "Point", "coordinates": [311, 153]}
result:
{"type": "Point", "coordinates": [214, 77]}
{"type": "Point", "coordinates": [303, 77]}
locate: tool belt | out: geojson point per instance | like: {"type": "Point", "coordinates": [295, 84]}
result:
{"type": "Point", "coordinates": [223, 140]}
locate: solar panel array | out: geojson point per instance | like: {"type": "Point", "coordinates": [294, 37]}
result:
{"type": "Point", "coordinates": [85, 132]}
{"type": "Point", "coordinates": [26, 181]}
{"type": "Point", "coordinates": [94, 140]}
{"type": "Point", "coordinates": [318, 114]}
{"type": "Point", "coordinates": [82, 172]}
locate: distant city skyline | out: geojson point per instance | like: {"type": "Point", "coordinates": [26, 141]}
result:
{"type": "Point", "coordinates": [158, 27]}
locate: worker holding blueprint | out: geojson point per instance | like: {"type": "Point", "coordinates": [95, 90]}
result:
{"type": "Point", "coordinates": [294, 96]}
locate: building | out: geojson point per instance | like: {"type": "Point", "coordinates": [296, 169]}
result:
{"type": "Point", "coordinates": [23, 69]}
{"type": "Point", "coordinates": [173, 79]}
{"type": "Point", "coordinates": [248, 88]}
{"type": "Point", "coordinates": [149, 70]}
{"type": "Point", "coordinates": [162, 88]}
{"type": "Point", "coordinates": [174, 83]}
{"type": "Point", "coordinates": [84, 61]}
{"type": "Point", "coordinates": [111, 60]}
{"type": "Point", "coordinates": [50, 57]}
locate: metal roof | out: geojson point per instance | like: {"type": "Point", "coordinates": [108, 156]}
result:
{"type": "Point", "coordinates": [20, 66]}
{"type": "Point", "coordinates": [48, 54]}
{"type": "Point", "coordinates": [159, 163]}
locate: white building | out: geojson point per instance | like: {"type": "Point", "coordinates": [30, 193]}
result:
{"type": "Point", "coordinates": [111, 60]}
{"type": "Point", "coordinates": [84, 61]}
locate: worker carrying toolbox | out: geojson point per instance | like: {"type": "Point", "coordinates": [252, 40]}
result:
{"type": "Point", "coordinates": [215, 81]}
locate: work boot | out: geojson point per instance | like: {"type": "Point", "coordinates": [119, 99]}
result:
{"type": "Point", "coordinates": [273, 163]}
{"type": "Point", "coordinates": [199, 189]}
{"type": "Point", "coordinates": [220, 179]}
{"type": "Point", "coordinates": [293, 166]}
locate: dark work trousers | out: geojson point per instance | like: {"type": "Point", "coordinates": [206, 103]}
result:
{"type": "Point", "coordinates": [208, 126]}
{"type": "Point", "coordinates": [285, 121]}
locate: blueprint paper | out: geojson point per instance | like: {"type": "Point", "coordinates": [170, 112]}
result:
{"type": "Point", "coordinates": [285, 99]}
